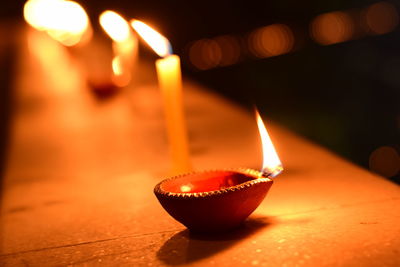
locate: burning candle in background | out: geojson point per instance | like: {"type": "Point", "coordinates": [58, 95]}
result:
{"type": "Point", "coordinates": [68, 23]}
{"type": "Point", "coordinates": [124, 46]}
{"type": "Point", "coordinates": [170, 82]}
{"type": "Point", "coordinates": [68, 26]}
{"type": "Point", "coordinates": [65, 21]}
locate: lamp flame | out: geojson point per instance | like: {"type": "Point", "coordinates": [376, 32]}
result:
{"type": "Point", "coordinates": [65, 21]}
{"type": "Point", "coordinates": [272, 165]}
{"type": "Point", "coordinates": [115, 26]}
{"type": "Point", "coordinates": [155, 40]}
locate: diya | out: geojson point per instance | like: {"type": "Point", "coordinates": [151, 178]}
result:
{"type": "Point", "coordinates": [219, 200]}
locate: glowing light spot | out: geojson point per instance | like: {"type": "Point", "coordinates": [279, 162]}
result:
{"type": "Point", "coordinates": [115, 26]}
{"type": "Point", "coordinates": [380, 18]}
{"type": "Point", "coordinates": [385, 160]}
{"type": "Point", "coordinates": [155, 40]}
{"type": "Point", "coordinates": [205, 54]}
{"type": "Point", "coordinates": [272, 40]}
{"type": "Point", "coordinates": [65, 21]}
{"type": "Point", "coordinates": [186, 188]}
{"type": "Point", "coordinates": [332, 28]}
{"type": "Point", "coordinates": [230, 50]}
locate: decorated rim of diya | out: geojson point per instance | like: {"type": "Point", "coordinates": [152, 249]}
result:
{"type": "Point", "coordinates": [258, 177]}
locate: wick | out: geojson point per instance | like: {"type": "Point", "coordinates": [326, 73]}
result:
{"type": "Point", "coordinates": [271, 173]}
{"type": "Point", "coordinates": [266, 173]}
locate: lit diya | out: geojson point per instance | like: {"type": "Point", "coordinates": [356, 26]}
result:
{"type": "Point", "coordinates": [219, 200]}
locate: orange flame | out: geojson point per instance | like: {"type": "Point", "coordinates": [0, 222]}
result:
{"type": "Point", "coordinates": [65, 21]}
{"type": "Point", "coordinates": [115, 26]}
{"type": "Point", "coordinates": [272, 165]}
{"type": "Point", "coordinates": [155, 40]}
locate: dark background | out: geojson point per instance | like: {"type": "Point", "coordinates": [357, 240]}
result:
{"type": "Point", "coordinates": [343, 96]}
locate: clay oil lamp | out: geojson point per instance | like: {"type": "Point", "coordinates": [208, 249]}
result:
{"type": "Point", "coordinates": [219, 200]}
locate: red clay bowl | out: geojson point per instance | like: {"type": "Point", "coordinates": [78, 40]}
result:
{"type": "Point", "coordinates": [212, 201]}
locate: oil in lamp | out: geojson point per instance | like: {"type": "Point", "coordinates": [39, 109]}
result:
{"type": "Point", "coordinates": [219, 200]}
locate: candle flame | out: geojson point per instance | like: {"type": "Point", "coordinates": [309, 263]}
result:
{"type": "Point", "coordinates": [155, 40]}
{"type": "Point", "coordinates": [65, 21]}
{"type": "Point", "coordinates": [115, 26]}
{"type": "Point", "coordinates": [272, 165]}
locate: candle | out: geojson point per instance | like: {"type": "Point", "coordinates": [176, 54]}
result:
{"type": "Point", "coordinates": [68, 23]}
{"type": "Point", "coordinates": [170, 82]}
{"type": "Point", "coordinates": [95, 63]}
{"type": "Point", "coordinates": [169, 77]}
{"type": "Point", "coordinates": [65, 21]}
{"type": "Point", "coordinates": [124, 46]}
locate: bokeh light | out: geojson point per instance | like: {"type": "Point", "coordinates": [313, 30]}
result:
{"type": "Point", "coordinates": [65, 21]}
{"type": "Point", "coordinates": [272, 40]}
{"type": "Point", "coordinates": [205, 54]}
{"type": "Point", "coordinates": [385, 160]}
{"type": "Point", "coordinates": [230, 49]}
{"type": "Point", "coordinates": [380, 18]}
{"type": "Point", "coordinates": [278, 39]}
{"type": "Point", "coordinates": [332, 28]}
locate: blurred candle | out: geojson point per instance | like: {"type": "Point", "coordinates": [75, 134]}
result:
{"type": "Point", "coordinates": [65, 21]}
{"type": "Point", "coordinates": [68, 24]}
{"type": "Point", "coordinates": [124, 46]}
{"type": "Point", "coordinates": [170, 82]}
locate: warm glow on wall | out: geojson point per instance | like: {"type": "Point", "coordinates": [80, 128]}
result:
{"type": "Point", "coordinates": [332, 28]}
